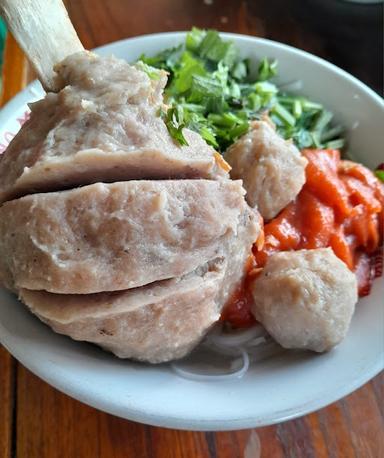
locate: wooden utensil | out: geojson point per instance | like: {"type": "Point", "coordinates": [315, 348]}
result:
{"type": "Point", "coordinates": [45, 33]}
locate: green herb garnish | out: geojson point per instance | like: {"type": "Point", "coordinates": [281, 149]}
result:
{"type": "Point", "coordinates": [380, 175]}
{"type": "Point", "coordinates": [211, 90]}
{"type": "Point", "coordinates": [152, 72]}
{"type": "Point", "coordinates": [174, 119]}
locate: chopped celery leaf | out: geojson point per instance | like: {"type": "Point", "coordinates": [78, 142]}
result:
{"type": "Point", "coordinates": [174, 120]}
{"type": "Point", "coordinates": [211, 90]}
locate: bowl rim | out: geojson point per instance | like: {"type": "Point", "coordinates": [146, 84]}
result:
{"type": "Point", "coordinates": [239, 37]}
{"type": "Point", "coordinates": [276, 44]}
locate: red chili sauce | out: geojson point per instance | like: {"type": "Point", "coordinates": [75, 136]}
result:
{"type": "Point", "coordinates": [340, 206]}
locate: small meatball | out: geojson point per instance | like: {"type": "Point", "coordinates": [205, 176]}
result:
{"type": "Point", "coordinates": [305, 299]}
{"type": "Point", "coordinates": [272, 169]}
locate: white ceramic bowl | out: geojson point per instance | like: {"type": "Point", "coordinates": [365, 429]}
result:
{"type": "Point", "coordinates": [275, 390]}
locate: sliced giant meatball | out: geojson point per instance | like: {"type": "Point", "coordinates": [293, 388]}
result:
{"type": "Point", "coordinates": [103, 125]}
{"type": "Point", "coordinates": [155, 323]}
{"type": "Point", "coordinates": [109, 237]}
{"type": "Point", "coordinates": [272, 169]}
{"type": "Point", "coordinates": [305, 299]}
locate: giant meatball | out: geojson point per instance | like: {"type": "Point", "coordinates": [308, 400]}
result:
{"type": "Point", "coordinates": [272, 169]}
{"type": "Point", "coordinates": [305, 299]}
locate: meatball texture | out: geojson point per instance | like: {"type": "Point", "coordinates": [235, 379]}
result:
{"type": "Point", "coordinates": [305, 299]}
{"type": "Point", "coordinates": [272, 169]}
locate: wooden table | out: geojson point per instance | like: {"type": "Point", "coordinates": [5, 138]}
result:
{"type": "Point", "coordinates": [36, 421]}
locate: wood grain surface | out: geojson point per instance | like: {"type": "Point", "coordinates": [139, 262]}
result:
{"type": "Point", "coordinates": [37, 421]}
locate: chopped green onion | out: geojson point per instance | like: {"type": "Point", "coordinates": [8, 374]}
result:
{"type": "Point", "coordinates": [303, 139]}
{"type": "Point", "coordinates": [267, 69]}
{"type": "Point", "coordinates": [315, 139]}
{"type": "Point", "coordinates": [297, 108]}
{"type": "Point", "coordinates": [308, 105]}
{"type": "Point", "coordinates": [239, 130]}
{"type": "Point", "coordinates": [331, 133]}
{"type": "Point", "coordinates": [193, 107]}
{"type": "Point", "coordinates": [254, 102]}
{"type": "Point", "coordinates": [286, 100]}
{"type": "Point", "coordinates": [283, 114]}
{"type": "Point", "coordinates": [265, 88]}
{"type": "Point", "coordinates": [323, 119]}
{"type": "Point", "coordinates": [279, 123]}
{"type": "Point", "coordinates": [240, 70]}
{"type": "Point", "coordinates": [234, 90]}
{"type": "Point", "coordinates": [335, 144]}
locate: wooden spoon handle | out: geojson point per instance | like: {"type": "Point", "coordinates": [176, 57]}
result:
{"type": "Point", "coordinates": [45, 33]}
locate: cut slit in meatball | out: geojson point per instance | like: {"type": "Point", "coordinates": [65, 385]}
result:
{"type": "Point", "coordinates": [305, 299]}
{"type": "Point", "coordinates": [155, 323]}
{"type": "Point", "coordinates": [272, 169]}
{"type": "Point", "coordinates": [109, 237]}
{"type": "Point", "coordinates": [103, 125]}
